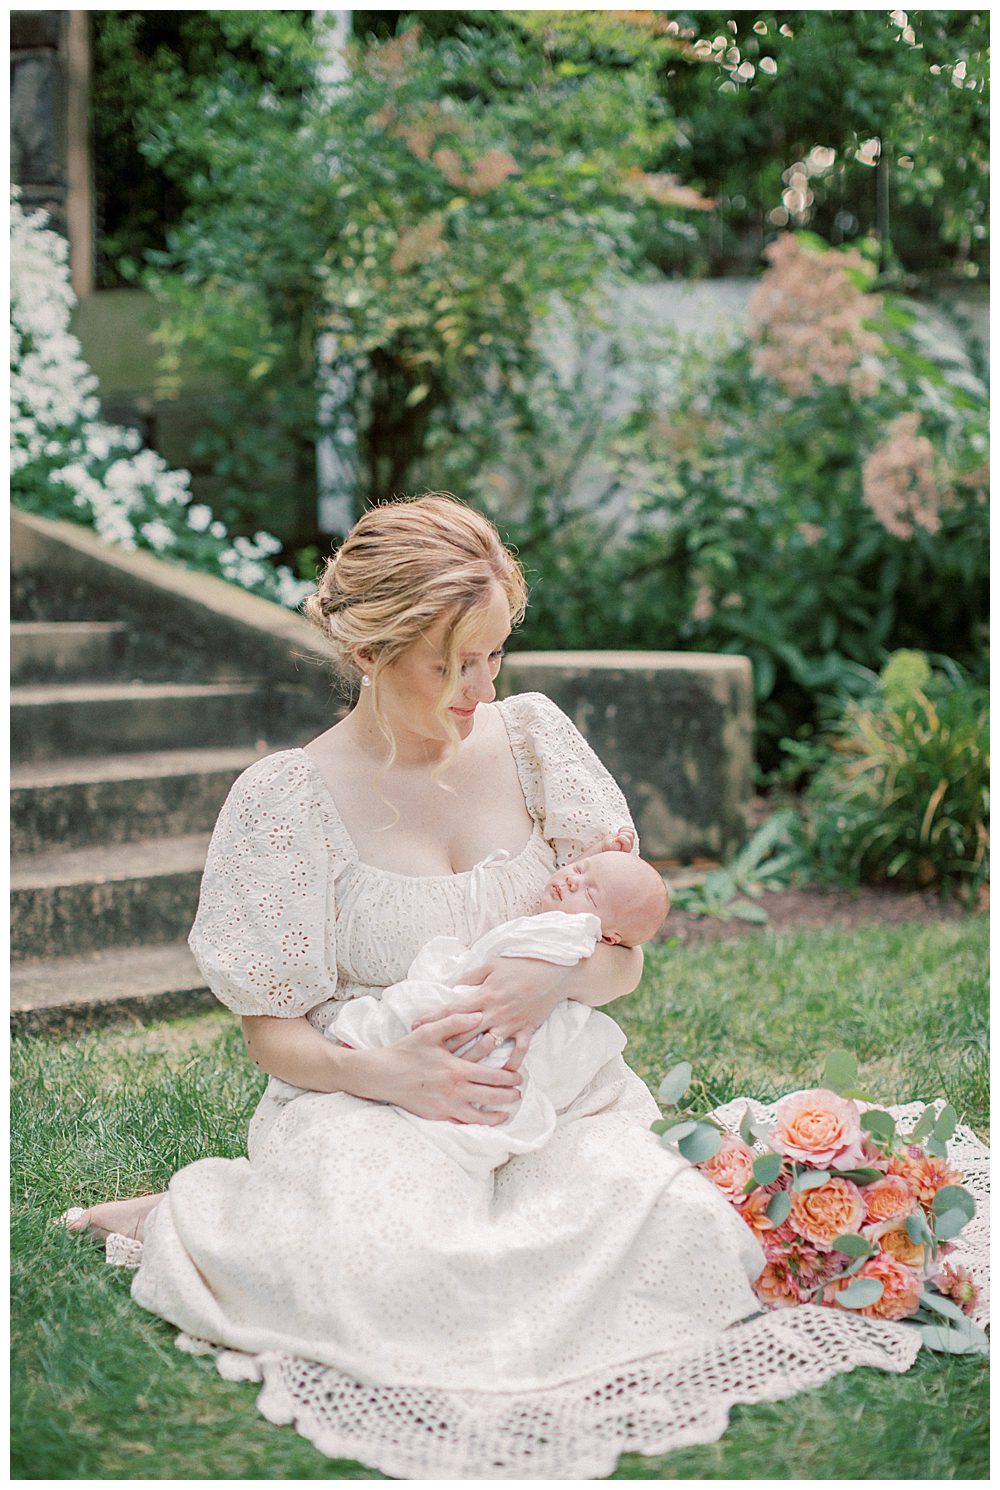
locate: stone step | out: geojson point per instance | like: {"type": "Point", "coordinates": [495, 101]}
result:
{"type": "Point", "coordinates": [91, 899]}
{"type": "Point", "coordinates": [50, 721]}
{"type": "Point", "coordinates": [60, 995]}
{"type": "Point", "coordinates": [41, 651]}
{"type": "Point", "coordinates": [121, 798]}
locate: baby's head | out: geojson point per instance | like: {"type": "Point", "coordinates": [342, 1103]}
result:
{"type": "Point", "coordinates": [626, 894]}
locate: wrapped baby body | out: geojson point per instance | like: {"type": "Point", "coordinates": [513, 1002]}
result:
{"type": "Point", "coordinates": [565, 1053]}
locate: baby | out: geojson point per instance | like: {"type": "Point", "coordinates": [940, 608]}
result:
{"type": "Point", "coordinates": [608, 895]}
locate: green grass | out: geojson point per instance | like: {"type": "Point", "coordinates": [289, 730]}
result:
{"type": "Point", "coordinates": [99, 1392]}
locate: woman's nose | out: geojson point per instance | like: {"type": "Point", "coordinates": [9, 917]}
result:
{"type": "Point", "coordinates": [479, 684]}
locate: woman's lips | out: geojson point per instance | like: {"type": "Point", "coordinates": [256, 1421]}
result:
{"type": "Point", "coordinates": [464, 713]}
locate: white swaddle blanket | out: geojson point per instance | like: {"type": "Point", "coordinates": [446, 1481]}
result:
{"type": "Point", "coordinates": [564, 1055]}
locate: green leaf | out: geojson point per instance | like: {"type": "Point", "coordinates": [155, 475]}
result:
{"type": "Point", "coordinates": [840, 1069]}
{"type": "Point", "coordinates": [937, 1147]}
{"type": "Point", "coordinates": [860, 1293]}
{"type": "Point", "coordinates": [859, 1176]}
{"type": "Point", "coordinates": [925, 1125]}
{"type": "Point", "coordinates": [417, 395]}
{"type": "Point", "coordinates": [951, 1342]}
{"type": "Point", "coordinates": [917, 1229]}
{"type": "Point", "coordinates": [810, 1179]}
{"type": "Point", "coordinates": [936, 1301]}
{"type": "Point", "coordinates": [676, 1082]}
{"type": "Point", "coordinates": [778, 1207]}
{"type": "Point", "coordinates": [702, 1144]}
{"type": "Point", "coordinates": [674, 1132]}
{"type": "Point", "coordinates": [745, 910]}
{"type": "Point", "coordinates": [949, 1224]}
{"type": "Point", "coordinates": [881, 1125]}
{"type": "Point", "coordinates": [746, 1126]}
{"type": "Point", "coordinates": [954, 1197]}
{"type": "Point", "coordinates": [660, 1126]}
{"type": "Point", "coordinates": [853, 1245]}
{"type": "Point", "coordinates": [766, 1168]}
{"type": "Point", "coordinates": [857, 1092]}
{"type": "Point", "coordinates": [946, 1123]}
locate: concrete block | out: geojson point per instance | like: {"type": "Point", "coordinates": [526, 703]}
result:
{"type": "Point", "coordinates": [43, 650]}
{"type": "Point", "coordinates": [675, 729]}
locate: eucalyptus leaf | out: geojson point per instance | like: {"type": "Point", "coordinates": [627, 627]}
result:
{"type": "Point", "coordinates": [943, 1338]}
{"type": "Point", "coordinates": [954, 1197]}
{"type": "Point", "coordinates": [857, 1092]}
{"type": "Point", "coordinates": [660, 1126]}
{"type": "Point", "coordinates": [859, 1176]}
{"type": "Point", "coordinates": [861, 1293]}
{"type": "Point", "coordinates": [766, 1168]}
{"type": "Point", "coordinates": [676, 1082]}
{"type": "Point", "coordinates": [852, 1245]}
{"type": "Point", "coordinates": [746, 1126]}
{"type": "Point", "coordinates": [840, 1069]}
{"type": "Point", "coordinates": [778, 1207]}
{"type": "Point", "coordinates": [924, 1126]}
{"type": "Point", "coordinates": [949, 1224]}
{"type": "Point", "coordinates": [937, 1147]}
{"type": "Point", "coordinates": [931, 1299]}
{"type": "Point", "coordinates": [918, 1230]}
{"type": "Point", "coordinates": [810, 1179]}
{"type": "Point", "coordinates": [947, 1121]}
{"type": "Point", "coordinates": [702, 1144]}
{"type": "Point", "coordinates": [880, 1124]}
{"type": "Point", "coordinates": [676, 1131]}
{"type": "Point", "coordinates": [857, 1264]}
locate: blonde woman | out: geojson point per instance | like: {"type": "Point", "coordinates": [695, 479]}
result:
{"type": "Point", "coordinates": [398, 1312]}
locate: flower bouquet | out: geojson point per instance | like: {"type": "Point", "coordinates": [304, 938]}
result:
{"type": "Point", "coordinates": [850, 1212]}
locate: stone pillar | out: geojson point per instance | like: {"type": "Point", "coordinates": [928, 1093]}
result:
{"type": "Point", "coordinates": [675, 729]}
{"type": "Point", "coordinates": [49, 127]}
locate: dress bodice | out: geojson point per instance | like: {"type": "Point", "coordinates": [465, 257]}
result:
{"type": "Point", "coordinates": [291, 921]}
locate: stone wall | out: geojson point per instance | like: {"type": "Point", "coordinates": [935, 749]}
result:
{"type": "Point", "coordinates": [675, 729]}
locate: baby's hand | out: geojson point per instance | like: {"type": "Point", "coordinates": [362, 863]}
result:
{"type": "Point", "coordinates": [621, 842]}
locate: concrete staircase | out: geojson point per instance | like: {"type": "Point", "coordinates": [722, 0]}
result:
{"type": "Point", "coordinates": [118, 773]}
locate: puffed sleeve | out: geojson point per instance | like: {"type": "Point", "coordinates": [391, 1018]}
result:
{"type": "Point", "coordinates": [567, 788]}
{"type": "Point", "coordinates": [264, 936]}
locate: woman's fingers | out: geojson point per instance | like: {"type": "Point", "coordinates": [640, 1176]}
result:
{"type": "Point", "coordinates": [447, 1026]}
{"type": "Point", "coordinates": [521, 1042]}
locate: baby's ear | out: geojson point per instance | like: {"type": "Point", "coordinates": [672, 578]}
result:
{"type": "Point", "coordinates": [612, 938]}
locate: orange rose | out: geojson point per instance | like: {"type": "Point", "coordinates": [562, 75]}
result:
{"type": "Point", "coordinates": [731, 1168]}
{"type": "Point", "coordinates": [754, 1211]}
{"type": "Point", "coordinates": [900, 1288]}
{"type": "Point", "coordinates": [820, 1215]}
{"type": "Point", "coordinates": [818, 1128]}
{"type": "Point", "coordinates": [888, 1199]}
{"type": "Point", "coordinates": [894, 1239]}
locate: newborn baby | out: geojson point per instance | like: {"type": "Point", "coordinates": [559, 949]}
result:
{"type": "Point", "coordinates": [606, 895]}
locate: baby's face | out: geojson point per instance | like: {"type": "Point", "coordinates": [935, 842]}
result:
{"type": "Point", "coordinates": [601, 884]}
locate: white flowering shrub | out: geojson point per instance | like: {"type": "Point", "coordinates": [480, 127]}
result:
{"type": "Point", "coordinates": [67, 463]}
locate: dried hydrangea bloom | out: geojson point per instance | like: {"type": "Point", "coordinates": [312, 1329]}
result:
{"type": "Point", "coordinates": [807, 321]}
{"type": "Point", "coordinates": [899, 481]}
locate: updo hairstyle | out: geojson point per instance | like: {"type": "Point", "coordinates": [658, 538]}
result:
{"type": "Point", "coordinates": [403, 567]}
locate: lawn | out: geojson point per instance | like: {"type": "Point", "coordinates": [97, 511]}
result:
{"type": "Point", "coordinates": [99, 1392]}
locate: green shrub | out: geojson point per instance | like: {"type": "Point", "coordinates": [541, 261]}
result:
{"type": "Point", "coordinates": [903, 792]}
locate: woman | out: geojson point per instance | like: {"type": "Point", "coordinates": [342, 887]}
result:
{"type": "Point", "coordinates": [396, 1312]}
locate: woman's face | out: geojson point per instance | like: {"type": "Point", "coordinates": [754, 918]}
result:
{"type": "Point", "coordinates": [411, 686]}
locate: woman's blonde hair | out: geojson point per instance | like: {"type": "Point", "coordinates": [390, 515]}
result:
{"type": "Point", "coordinates": [405, 566]}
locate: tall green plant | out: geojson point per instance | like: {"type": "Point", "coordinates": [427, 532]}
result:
{"type": "Point", "coordinates": [425, 214]}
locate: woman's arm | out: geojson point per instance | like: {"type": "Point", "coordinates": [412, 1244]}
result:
{"type": "Point", "coordinates": [419, 1072]}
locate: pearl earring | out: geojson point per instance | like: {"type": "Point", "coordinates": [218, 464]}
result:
{"type": "Point", "coordinates": [365, 680]}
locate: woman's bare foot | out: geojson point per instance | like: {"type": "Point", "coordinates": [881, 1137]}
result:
{"type": "Point", "coordinates": [122, 1217]}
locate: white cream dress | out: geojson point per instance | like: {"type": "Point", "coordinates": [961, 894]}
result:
{"type": "Point", "coordinates": [585, 1303]}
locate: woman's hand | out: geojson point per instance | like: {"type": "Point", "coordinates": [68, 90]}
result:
{"type": "Point", "coordinates": [421, 1074]}
{"type": "Point", "coordinates": [515, 995]}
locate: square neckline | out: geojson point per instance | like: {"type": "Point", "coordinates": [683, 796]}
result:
{"type": "Point", "coordinates": [331, 807]}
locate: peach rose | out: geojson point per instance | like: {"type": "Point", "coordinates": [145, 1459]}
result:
{"type": "Point", "coordinates": [958, 1283]}
{"type": "Point", "coordinates": [820, 1129]}
{"type": "Point", "coordinates": [900, 1288]}
{"type": "Point", "coordinates": [731, 1169]}
{"type": "Point", "coordinates": [925, 1175]}
{"type": "Point", "coordinates": [893, 1238]}
{"type": "Point", "coordinates": [777, 1287]}
{"type": "Point", "coordinates": [888, 1199]}
{"type": "Point", "coordinates": [824, 1213]}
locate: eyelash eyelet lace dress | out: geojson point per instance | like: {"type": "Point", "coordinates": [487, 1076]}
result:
{"type": "Point", "coordinates": [594, 1300]}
